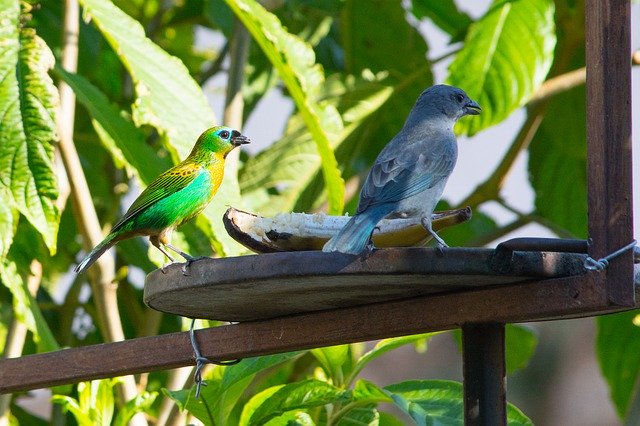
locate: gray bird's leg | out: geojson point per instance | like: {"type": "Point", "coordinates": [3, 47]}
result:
{"type": "Point", "coordinates": [189, 259]}
{"type": "Point", "coordinates": [426, 223]}
{"type": "Point", "coordinates": [156, 243]}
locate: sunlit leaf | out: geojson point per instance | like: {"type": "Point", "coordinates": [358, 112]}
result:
{"type": "Point", "coordinates": [294, 396]}
{"type": "Point", "coordinates": [295, 62]}
{"type": "Point", "coordinates": [505, 58]}
{"type": "Point", "coordinates": [28, 100]}
{"type": "Point", "coordinates": [166, 98]}
{"type": "Point", "coordinates": [120, 136]}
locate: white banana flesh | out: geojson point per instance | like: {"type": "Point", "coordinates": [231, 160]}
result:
{"type": "Point", "coordinates": [302, 231]}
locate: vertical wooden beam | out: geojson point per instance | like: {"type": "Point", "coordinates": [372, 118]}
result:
{"type": "Point", "coordinates": [485, 380]}
{"type": "Point", "coordinates": [608, 50]}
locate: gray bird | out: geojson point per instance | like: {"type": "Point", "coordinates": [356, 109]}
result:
{"type": "Point", "coordinates": [409, 175]}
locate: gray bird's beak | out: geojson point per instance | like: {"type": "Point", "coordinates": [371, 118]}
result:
{"type": "Point", "coordinates": [238, 139]}
{"type": "Point", "coordinates": [472, 108]}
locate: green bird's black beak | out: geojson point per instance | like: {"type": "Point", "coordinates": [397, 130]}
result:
{"type": "Point", "coordinates": [238, 139]}
{"type": "Point", "coordinates": [472, 108]}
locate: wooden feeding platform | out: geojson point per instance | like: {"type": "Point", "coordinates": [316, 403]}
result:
{"type": "Point", "coordinates": [264, 286]}
{"type": "Point", "coordinates": [293, 301]}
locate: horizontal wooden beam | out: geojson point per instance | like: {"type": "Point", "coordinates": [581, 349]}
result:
{"type": "Point", "coordinates": [539, 300]}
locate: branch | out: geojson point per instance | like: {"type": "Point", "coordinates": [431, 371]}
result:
{"type": "Point", "coordinates": [104, 291]}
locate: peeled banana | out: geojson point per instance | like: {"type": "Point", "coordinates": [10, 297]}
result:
{"type": "Point", "coordinates": [302, 231]}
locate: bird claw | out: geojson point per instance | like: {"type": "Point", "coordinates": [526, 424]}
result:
{"type": "Point", "coordinates": [187, 264]}
{"type": "Point", "coordinates": [440, 247]}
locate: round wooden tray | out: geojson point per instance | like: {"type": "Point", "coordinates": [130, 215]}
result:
{"type": "Point", "coordinates": [264, 286]}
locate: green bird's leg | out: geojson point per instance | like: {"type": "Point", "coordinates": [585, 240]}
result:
{"type": "Point", "coordinates": [156, 243]}
{"type": "Point", "coordinates": [189, 259]}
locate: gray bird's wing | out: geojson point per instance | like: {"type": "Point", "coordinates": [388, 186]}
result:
{"type": "Point", "coordinates": [399, 175]}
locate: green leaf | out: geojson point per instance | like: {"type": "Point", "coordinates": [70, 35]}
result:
{"type": "Point", "coordinates": [386, 345]}
{"type": "Point", "coordinates": [141, 403]}
{"type": "Point", "coordinates": [618, 351]}
{"type": "Point", "coordinates": [444, 13]}
{"type": "Point", "coordinates": [439, 402]}
{"type": "Point", "coordinates": [8, 221]}
{"type": "Point", "coordinates": [295, 62]}
{"type": "Point", "coordinates": [365, 391]}
{"type": "Point", "coordinates": [295, 396]}
{"type": "Point", "coordinates": [360, 416]}
{"type": "Point", "coordinates": [120, 136]}
{"type": "Point", "coordinates": [256, 401]}
{"type": "Point", "coordinates": [505, 58]}
{"type": "Point", "coordinates": [26, 308]}
{"type": "Point", "coordinates": [381, 41]}
{"type": "Point", "coordinates": [290, 166]}
{"type": "Point", "coordinates": [166, 98]}
{"type": "Point", "coordinates": [520, 345]}
{"type": "Point", "coordinates": [104, 401]}
{"type": "Point", "coordinates": [71, 405]}
{"type": "Point", "coordinates": [224, 387]}
{"type": "Point", "coordinates": [558, 163]}
{"type": "Point", "coordinates": [291, 418]}
{"type": "Point", "coordinates": [331, 359]}
{"type": "Point", "coordinates": [28, 100]}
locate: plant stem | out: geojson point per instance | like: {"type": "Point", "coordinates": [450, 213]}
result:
{"type": "Point", "coordinates": [104, 291]}
{"type": "Point", "coordinates": [16, 336]}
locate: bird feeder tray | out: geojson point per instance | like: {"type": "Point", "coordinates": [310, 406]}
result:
{"type": "Point", "coordinates": [258, 287]}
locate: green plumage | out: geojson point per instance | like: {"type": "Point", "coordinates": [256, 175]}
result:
{"type": "Point", "coordinates": [174, 197]}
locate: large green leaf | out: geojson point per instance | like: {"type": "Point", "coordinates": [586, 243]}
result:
{"type": "Point", "coordinates": [558, 163]}
{"type": "Point", "coordinates": [295, 62]}
{"type": "Point", "coordinates": [505, 58]}
{"type": "Point", "coordinates": [28, 100]}
{"type": "Point", "coordinates": [294, 396]}
{"type": "Point", "coordinates": [276, 178]}
{"type": "Point", "coordinates": [618, 351]}
{"type": "Point", "coordinates": [444, 13]}
{"type": "Point", "coordinates": [440, 402]}
{"type": "Point", "coordinates": [120, 136]}
{"type": "Point", "coordinates": [224, 387]}
{"type": "Point", "coordinates": [166, 98]}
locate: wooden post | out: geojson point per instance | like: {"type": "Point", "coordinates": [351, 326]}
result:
{"type": "Point", "coordinates": [485, 380]}
{"type": "Point", "coordinates": [608, 49]}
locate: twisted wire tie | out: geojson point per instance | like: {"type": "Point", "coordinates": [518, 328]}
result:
{"type": "Point", "coordinates": [600, 264]}
{"type": "Point", "coordinates": [201, 361]}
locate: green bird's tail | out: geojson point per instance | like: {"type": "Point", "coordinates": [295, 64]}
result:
{"type": "Point", "coordinates": [96, 253]}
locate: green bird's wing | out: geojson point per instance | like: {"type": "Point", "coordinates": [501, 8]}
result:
{"type": "Point", "coordinates": [169, 182]}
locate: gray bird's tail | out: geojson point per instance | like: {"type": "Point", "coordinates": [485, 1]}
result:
{"type": "Point", "coordinates": [354, 236]}
{"type": "Point", "coordinates": [95, 253]}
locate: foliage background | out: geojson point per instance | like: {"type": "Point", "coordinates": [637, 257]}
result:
{"type": "Point", "coordinates": [372, 66]}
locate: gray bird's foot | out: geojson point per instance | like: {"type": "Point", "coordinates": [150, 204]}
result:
{"type": "Point", "coordinates": [426, 223]}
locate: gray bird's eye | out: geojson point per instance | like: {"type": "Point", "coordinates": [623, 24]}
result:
{"type": "Point", "coordinates": [460, 97]}
{"type": "Point", "coordinates": [224, 134]}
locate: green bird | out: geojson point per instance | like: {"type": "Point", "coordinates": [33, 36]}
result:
{"type": "Point", "coordinates": [174, 197]}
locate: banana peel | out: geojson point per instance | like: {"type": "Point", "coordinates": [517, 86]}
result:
{"type": "Point", "coordinates": [302, 231]}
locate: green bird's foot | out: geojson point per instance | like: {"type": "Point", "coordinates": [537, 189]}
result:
{"type": "Point", "coordinates": [187, 264]}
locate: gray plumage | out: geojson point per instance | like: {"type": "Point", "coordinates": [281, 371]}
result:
{"type": "Point", "coordinates": [410, 173]}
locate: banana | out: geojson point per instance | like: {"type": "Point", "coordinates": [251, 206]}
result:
{"type": "Point", "coordinates": [302, 231]}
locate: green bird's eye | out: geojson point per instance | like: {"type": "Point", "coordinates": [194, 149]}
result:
{"type": "Point", "coordinates": [224, 134]}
